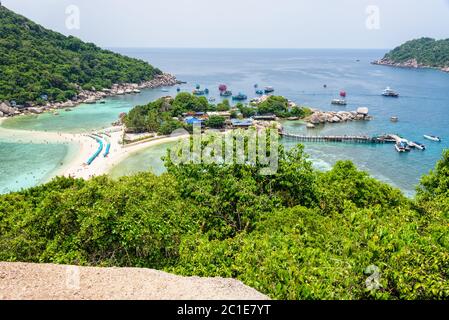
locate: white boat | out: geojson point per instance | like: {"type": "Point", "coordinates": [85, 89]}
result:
{"type": "Point", "coordinates": [417, 145]}
{"type": "Point", "coordinates": [341, 102]}
{"type": "Point", "coordinates": [388, 92]}
{"type": "Point", "coordinates": [432, 138]}
{"type": "Point", "coordinates": [402, 146]}
{"type": "Point", "coordinates": [136, 91]}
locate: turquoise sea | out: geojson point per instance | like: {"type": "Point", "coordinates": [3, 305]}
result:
{"type": "Point", "coordinates": [422, 108]}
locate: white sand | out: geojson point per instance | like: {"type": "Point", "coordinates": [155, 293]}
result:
{"type": "Point", "coordinates": [76, 166]}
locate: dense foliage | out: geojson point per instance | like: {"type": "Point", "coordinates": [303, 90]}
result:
{"type": "Point", "coordinates": [298, 234]}
{"type": "Point", "coordinates": [427, 51]}
{"type": "Point", "coordinates": [164, 112]}
{"type": "Point", "coordinates": [36, 62]}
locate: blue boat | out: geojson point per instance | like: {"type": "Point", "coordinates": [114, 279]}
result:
{"type": "Point", "coordinates": [259, 92]}
{"type": "Point", "coordinates": [240, 97]}
{"type": "Point", "coordinates": [197, 86]}
{"type": "Point", "coordinates": [178, 89]}
{"type": "Point", "coordinates": [206, 91]}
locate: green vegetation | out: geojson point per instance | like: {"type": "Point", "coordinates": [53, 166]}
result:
{"type": "Point", "coordinates": [279, 106]}
{"type": "Point", "coordinates": [36, 62]}
{"type": "Point", "coordinates": [215, 122]}
{"type": "Point", "coordinates": [427, 51]}
{"type": "Point", "coordinates": [162, 112]}
{"type": "Point", "coordinates": [298, 234]}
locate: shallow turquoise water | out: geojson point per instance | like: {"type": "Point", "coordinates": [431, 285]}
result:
{"type": "Point", "coordinates": [25, 165]}
{"type": "Point", "coordinates": [423, 107]}
{"type": "Point", "coordinates": [149, 159]}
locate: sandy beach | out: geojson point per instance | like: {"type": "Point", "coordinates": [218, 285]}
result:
{"type": "Point", "coordinates": [75, 164]}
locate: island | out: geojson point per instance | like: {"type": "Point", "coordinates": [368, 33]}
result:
{"type": "Point", "coordinates": [60, 72]}
{"type": "Point", "coordinates": [419, 53]}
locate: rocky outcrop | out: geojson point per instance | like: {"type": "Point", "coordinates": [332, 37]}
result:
{"type": "Point", "coordinates": [411, 63]}
{"type": "Point", "coordinates": [7, 110]}
{"type": "Point", "coordinates": [28, 281]}
{"type": "Point", "coordinates": [93, 96]}
{"type": "Point", "coordinates": [321, 117]}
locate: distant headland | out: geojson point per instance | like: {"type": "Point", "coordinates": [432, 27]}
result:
{"type": "Point", "coordinates": [419, 53]}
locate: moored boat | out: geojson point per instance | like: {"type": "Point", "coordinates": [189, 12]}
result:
{"type": "Point", "coordinates": [226, 93]}
{"type": "Point", "coordinates": [388, 92]}
{"type": "Point", "coordinates": [259, 92]}
{"type": "Point", "coordinates": [417, 145]}
{"type": "Point", "coordinates": [269, 89]}
{"type": "Point", "coordinates": [402, 146]}
{"type": "Point", "coordinates": [394, 119]}
{"type": "Point", "coordinates": [198, 92]}
{"type": "Point", "coordinates": [432, 138]}
{"type": "Point", "coordinates": [240, 97]}
{"type": "Point", "coordinates": [341, 102]}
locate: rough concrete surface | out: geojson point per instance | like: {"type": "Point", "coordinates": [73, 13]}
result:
{"type": "Point", "coordinates": [58, 282]}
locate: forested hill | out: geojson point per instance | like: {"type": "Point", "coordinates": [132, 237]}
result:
{"type": "Point", "coordinates": [420, 52]}
{"type": "Point", "coordinates": [36, 62]}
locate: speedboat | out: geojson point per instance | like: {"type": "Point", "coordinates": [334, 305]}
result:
{"type": "Point", "coordinates": [388, 92]}
{"type": "Point", "coordinates": [433, 138]}
{"type": "Point", "coordinates": [269, 89]}
{"type": "Point", "coordinates": [394, 119]}
{"type": "Point", "coordinates": [341, 102]}
{"type": "Point", "coordinates": [417, 145]}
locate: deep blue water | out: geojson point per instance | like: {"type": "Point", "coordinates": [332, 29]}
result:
{"type": "Point", "coordinates": [300, 75]}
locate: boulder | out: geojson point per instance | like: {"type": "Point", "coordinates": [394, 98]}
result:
{"type": "Point", "coordinates": [310, 126]}
{"type": "Point", "coordinates": [7, 109]}
{"type": "Point", "coordinates": [335, 119]}
{"type": "Point", "coordinates": [35, 110]}
{"type": "Point", "coordinates": [363, 111]}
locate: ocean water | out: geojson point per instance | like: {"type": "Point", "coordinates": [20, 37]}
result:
{"type": "Point", "coordinates": [422, 108]}
{"type": "Point", "coordinates": [26, 165]}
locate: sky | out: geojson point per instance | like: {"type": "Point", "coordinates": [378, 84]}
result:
{"type": "Point", "coordinates": [241, 23]}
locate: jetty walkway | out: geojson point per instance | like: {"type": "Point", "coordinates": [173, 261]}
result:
{"type": "Point", "coordinates": [387, 138]}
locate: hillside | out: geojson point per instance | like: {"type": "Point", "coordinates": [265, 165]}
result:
{"type": "Point", "coordinates": [36, 63]}
{"type": "Point", "coordinates": [297, 234]}
{"type": "Point", "coordinates": [423, 52]}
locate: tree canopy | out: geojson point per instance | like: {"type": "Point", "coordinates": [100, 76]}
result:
{"type": "Point", "coordinates": [297, 234]}
{"type": "Point", "coordinates": [427, 51]}
{"type": "Point", "coordinates": [36, 62]}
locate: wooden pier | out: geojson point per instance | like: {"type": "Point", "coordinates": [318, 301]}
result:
{"type": "Point", "coordinates": [345, 138]}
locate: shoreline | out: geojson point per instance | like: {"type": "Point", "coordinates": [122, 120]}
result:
{"type": "Point", "coordinates": [74, 162]}
{"type": "Point", "coordinates": [89, 97]}
{"type": "Point", "coordinates": [409, 64]}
